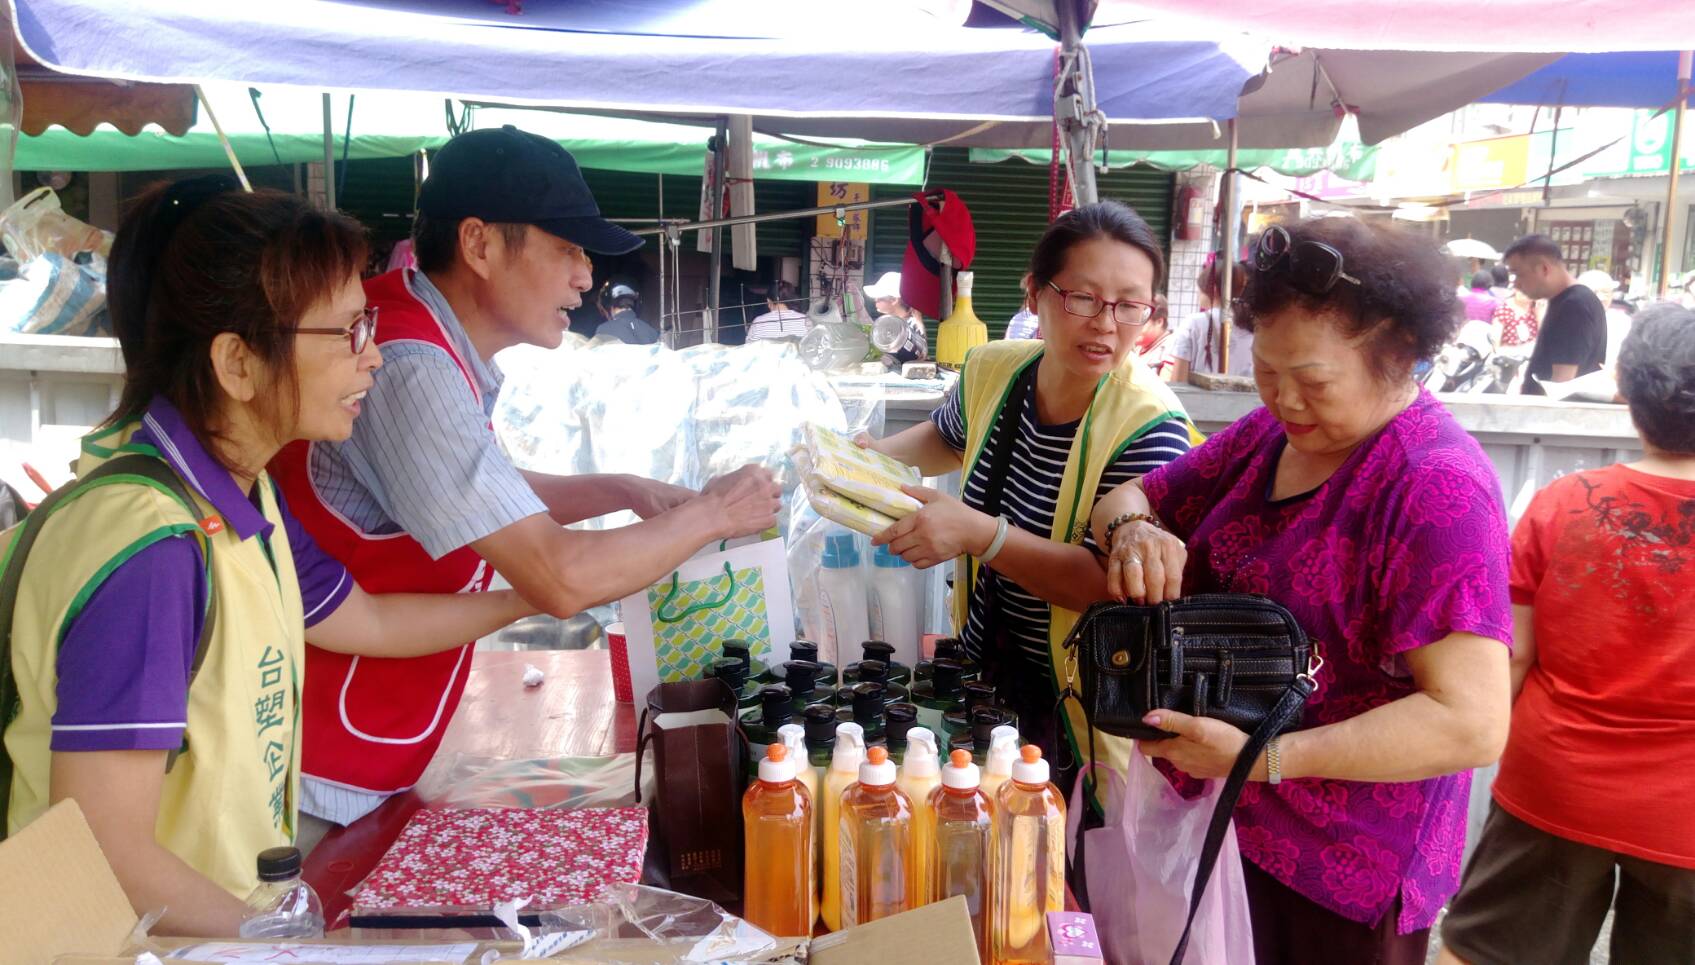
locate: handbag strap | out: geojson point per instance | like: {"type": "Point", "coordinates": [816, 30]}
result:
{"type": "Point", "coordinates": [1286, 708]}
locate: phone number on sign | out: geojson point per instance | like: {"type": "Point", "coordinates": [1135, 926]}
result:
{"type": "Point", "coordinates": [853, 163]}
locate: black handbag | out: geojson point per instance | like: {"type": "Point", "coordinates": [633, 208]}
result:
{"type": "Point", "coordinates": [1231, 657]}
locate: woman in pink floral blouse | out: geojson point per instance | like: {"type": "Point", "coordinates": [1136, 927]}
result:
{"type": "Point", "coordinates": [1354, 499]}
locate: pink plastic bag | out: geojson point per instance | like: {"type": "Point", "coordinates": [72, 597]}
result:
{"type": "Point", "coordinates": [1140, 867]}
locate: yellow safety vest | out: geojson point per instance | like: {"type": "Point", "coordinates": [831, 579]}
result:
{"type": "Point", "coordinates": [1129, 401]}
{"type": "Point", "coordinates": [233, 791]}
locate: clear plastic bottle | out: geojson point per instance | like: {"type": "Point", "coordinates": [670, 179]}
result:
{"type": "Point", "coordinates": [1028, 862]}
{"type": "Point", "coordinates": [778, 875]}
{"type": "Point", "coordinates": [921, 773]}
{"type": "Point", "coordinates": [848, 754]}
{"type": "Point", "coordinates": [878, 872]}
{"type": "Point", "coordinates": [793, 737]}
{"type": "Point", "coordinates": [962, 823]}
{"type": "Point", "coordinates": [1003, 751]}
{"type": "Point", "coordinates": [284, 905]}
{"type": "Point", "coordinates": [897, 604]}
{"type": "Point", "coordinates": [842, 595]}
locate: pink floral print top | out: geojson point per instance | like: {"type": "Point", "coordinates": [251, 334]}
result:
{"type": "Point", "coordinates": [1405, 544]}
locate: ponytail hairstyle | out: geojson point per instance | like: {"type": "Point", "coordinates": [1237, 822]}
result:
{"type": "Point", "coordinates": [198, 258]}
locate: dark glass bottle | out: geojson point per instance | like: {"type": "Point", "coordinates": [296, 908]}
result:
{"type": "Point", "coordinates": [802, 650]}
{"type": "Point", "coordinates": [775, 708]}
{"type": "Point", "coordinates": [820, 723]}
{"type": "Point", "coordinates": [897, 720]}
{"type": "Point", "coordinates": [947, 648]}
{"type": "Point", "coordinates": [865, 708]}
{"type": "Point", "coordinates": [898, 673]}
{"type": "Point", "coordinates": [877, 672]}
{"type": "Point", "coordinates": [978, 693]}
{"type": "Point", "coordinates": [938, 695]}
{"type": "Point", "coordinates": [734, 675]}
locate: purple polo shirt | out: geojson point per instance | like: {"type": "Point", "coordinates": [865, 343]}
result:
{"type": "Point", "coordinates": [124, 663]}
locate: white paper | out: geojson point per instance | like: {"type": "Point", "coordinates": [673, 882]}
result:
{"type": "Point", "coordinates": [533, 675]}
{"type": "Point", "coordinates": [265, 953]}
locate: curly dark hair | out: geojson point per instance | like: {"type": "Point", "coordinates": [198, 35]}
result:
{"type": "Point", "coordinates": [1656, 376]}
{"type": "Point", "coordinates": [1405, 296]}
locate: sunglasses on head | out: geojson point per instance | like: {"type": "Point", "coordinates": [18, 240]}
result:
{"type": "Point", "coordinates": [1312, 267]}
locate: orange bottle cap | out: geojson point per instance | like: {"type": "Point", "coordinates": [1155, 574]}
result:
{"type": "Point", "coordinates": [776, 752]}
{"type": "Point", "coordinates": [877, 754]}
{"type": "Point", "coordinates": [1031, 753]}
{"type": "Point", "coordinates": [960, 757]}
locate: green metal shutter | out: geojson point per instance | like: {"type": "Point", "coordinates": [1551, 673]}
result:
{"type": "Point", "coordinates": [1009, 208]}
{"type": "Point", "coordinates": [378, 192]}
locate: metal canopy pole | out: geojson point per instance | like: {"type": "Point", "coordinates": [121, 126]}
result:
{"type": "Point", "coordinates": [684, 225]}
{"type": "Point", "coordinates": [1077, 93]}
{"type": "Point", "coordinates": [714, 284]}
{"type": "Point", "coordinates": [1683, 70]}
{"type": "Point", "coordinates": [329, 157]}
{"type": "Point", "coordinates": [1227, 263]}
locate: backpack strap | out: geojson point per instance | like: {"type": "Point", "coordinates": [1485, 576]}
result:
{"type": "Point", "coordinates": [15, 554]}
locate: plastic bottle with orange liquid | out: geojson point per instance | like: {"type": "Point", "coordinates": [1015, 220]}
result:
{"type": "Point", "coordinates": [879, 875]}
{"type": "Point", "coordinates": [1028, 862]}
{"type": "Point", "coordinates": [779, 868]}
{"type": "Point", "coordinates": [962, 831]}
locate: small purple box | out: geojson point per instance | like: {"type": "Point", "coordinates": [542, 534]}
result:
{"type": "Point", "coordinates": [1071, 934]}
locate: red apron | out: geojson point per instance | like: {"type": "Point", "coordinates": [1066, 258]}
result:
{"type": "Point", "coordinates": [370, 723]}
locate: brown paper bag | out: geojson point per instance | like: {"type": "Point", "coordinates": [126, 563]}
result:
{"type": "Point", "coordinates": [696, 824]}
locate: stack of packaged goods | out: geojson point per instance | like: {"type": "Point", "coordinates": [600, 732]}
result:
{"type": "Point", "coordinates": [858, 488]}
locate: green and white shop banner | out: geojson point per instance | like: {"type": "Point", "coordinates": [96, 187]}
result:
{"type": "Point", "coordinates": [1349, 160]}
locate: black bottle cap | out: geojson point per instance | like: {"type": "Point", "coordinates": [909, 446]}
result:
{"type": "Point", "coordinates": [740, 651]}
{"type": "Point", "coordinates": [945, 678]}
{"type": "Point", "coordinates": [731, 671]}
{"type": "Point", "coordinates": [801, 676]}
{"type": "Point", "coordinates": [878, 650]}
{"type": "Point", "coordinates": [820, 723]}
{"type": "Point", "coordinates": [978, 693]}
{"type": "Point", "coordinates": [984, 720]}
{"type": "Point", "coordinates": [803, 650]}
{"type": "Point", "coordinates": [776, 706]}
{"type": "Point", "coordinates": [873, 671]}
{"type": "Point", "coordinates": [962, 742]}
{"type": "Point", "coordinates": [868, 703]}
{"type": "Point", "coordinates": [279, 864]}
{"type": "Point", "coordinates": [950, 648]}
{"type": "Point", "coordinates": [897, 720]}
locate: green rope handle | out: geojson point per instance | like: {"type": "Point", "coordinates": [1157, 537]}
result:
{"type": "Point", "coordinates": [676, 586]}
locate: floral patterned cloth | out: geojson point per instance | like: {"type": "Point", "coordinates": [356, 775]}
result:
{"type": "Point", "coordinates": [1405, 544]}
{"type": "Point", "coordinates": [471, 859]}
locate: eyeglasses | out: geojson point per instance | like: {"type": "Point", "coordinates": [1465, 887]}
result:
{"type": "Point", "coordinates": [358, 334]}
{"type": "Point", "coordinates": [1312, 267]}
{"type": "Point", "coordinates": [1127, 312]}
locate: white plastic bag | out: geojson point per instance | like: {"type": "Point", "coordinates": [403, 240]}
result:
{"type": "Point", "coordinates": [1141, 865]}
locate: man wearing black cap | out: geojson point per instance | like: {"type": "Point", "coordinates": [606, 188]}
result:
{"type": "Point", "coordinates": [422, 497]}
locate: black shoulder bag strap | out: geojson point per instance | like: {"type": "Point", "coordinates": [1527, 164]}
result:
{"type": "Point", "coordinates": [11, 579]}
{"type": "Point", "coordinates": [1286, 708]}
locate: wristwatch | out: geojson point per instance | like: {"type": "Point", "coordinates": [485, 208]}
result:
{"type": "Point", "coordinates": [1274, 761]}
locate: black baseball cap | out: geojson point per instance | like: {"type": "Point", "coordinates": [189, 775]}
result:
{"type": "Point", "coordinates": [507, 176]}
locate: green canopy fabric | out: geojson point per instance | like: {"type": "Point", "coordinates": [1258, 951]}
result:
{"type": "Point", "coordinates": [1348, 159]}
{"type": "Point", "coordinates": [395, 125]}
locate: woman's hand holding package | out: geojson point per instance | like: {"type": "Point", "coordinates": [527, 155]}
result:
{"type": "Point", "coordinates": [1145, 564]}
{"type": "Point", "coordinates": [943, 530]}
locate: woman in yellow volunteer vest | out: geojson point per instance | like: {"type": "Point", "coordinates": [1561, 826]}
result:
{"type": "Point", "coordinates": [244, 327]}
{"type": "Point", "coordinates": [1042, 429]}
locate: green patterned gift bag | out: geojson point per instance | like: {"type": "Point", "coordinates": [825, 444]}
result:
{"type": "Point", "coordinates": [693, 618]}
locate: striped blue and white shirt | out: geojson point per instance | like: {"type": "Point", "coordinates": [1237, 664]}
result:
{"type": "Point", "coordinates": [422, 459]}
{"type": "Point", "coordinates": [1027, 501]}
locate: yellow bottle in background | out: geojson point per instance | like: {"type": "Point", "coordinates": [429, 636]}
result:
{"type": "Point", "coordinates": [963, 832]}
{"type": "Point", "coordinates": [878, 873]}
{"type": "Point", "coordinates": [793, 737]}
{"type": "Point", "coordinates": [1003, 751]}
{"type": "Point", "coordinates": [778, 868]}
{"type": "Point", "coordinates": [844, 772]}
{"type": "Point", "coordinates": [963, 330]}
{"type": "Point", "coordinates": [1028, 863]}
{"type": "Point", "coordinates": [921, 773]}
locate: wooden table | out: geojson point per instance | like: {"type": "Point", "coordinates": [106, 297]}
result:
{"type": "Point", "coordinates": [572, 714]}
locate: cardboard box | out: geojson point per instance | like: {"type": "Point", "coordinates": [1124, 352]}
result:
{"type": "Point", "coordinates": [60, 904]}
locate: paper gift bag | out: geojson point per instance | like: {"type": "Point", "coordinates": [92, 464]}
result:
{"type": "Point", "coordinates": [675, 628]}
{"type": "Point", "coordinates": [696, 759]}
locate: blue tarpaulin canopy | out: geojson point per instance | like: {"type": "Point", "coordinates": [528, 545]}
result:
{"type": "Point", "coordinates": [875, 70]}
{"type": "Point", "coordinates": [1632, 79]}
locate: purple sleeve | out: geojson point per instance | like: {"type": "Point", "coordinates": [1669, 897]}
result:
{"type": "Point", "coordinates": [1444, 560]}
{"type": "Point", "coordinates": [324, 581]}
{"type": "Point", "coordinates": [124, 662]}
{"type": "Point", "coordinates": [1183, 491]}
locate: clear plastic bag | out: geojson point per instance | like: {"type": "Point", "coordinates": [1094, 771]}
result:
{"type": "Point", "coordinates": [1145, 857]}
{"type": "Point", "coordinates": [538, 783]}
{"type": "Point", "coordinates": [36, 224]}
{"type": "Point", "coordinates": [622, 928]}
